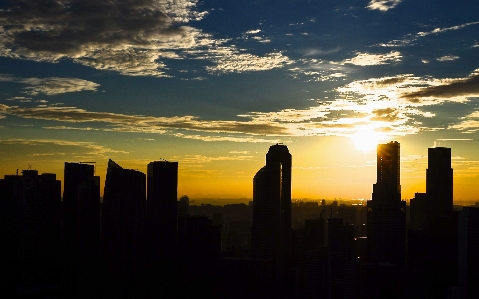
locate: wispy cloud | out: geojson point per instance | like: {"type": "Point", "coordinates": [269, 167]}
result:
{"type": "Point", "coordinates": [45, 147]}
{"type": "Point", "coordinates": [364, 59]}
{"type": "Point", "coordinates": [448, 58]}
{"type": "Point", "coordinates": [50, 86]}
{"type": "Point", "coordinates": [409, 39]}
{"type": "Point", "coordinates": [383, 5]}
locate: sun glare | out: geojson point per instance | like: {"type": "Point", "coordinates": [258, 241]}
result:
{"type": "Point", "coordinates": [367, 139]}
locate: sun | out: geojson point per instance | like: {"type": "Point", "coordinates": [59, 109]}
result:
{"type": "Point", "coordinates": [366, 139]}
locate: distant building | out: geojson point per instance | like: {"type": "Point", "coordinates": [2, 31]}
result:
{"type": "Point", "coordinates": [183, 204]}
{"type": "Point", "coordinates": [419, 205]}
{"type": "Point", "coordinates": [386, 223]}
{"type": "Point", "coordinates": [271, 231]}
{"type": "Point", "coordinates": [162, 196]}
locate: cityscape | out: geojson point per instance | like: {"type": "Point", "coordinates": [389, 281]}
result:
{"type": "Point", "coordinates": [141, 240]}
{"type": "Point", "coordinates": [287, 149]}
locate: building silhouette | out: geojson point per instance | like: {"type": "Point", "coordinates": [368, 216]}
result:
{"type": "Point", "coordinates": [123, 223]}
{"type": "Point", "coordinates": [439, 182]}
{"type": "Point", "coordinates": [271, 230]}
{"type": "Point", "coordinates": [386, 216]}
{"type": "Point", "coordinates": [469, 251]}
{"type": "Point", "coordinates": [341, 259]}
{"type": "Point", "coordinates": [162, 194]}
{"type": "Point", "coordinates": [81, 226]}
{"type": "Point", "coordinates": [433, 234]}
{"type": "Point", "coordinates": [32, 203]}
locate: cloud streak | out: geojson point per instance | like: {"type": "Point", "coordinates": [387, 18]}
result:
{"type": "Point", "coordinates": [51, 86]}
{"type": "Point", "coordinates": [409, 39]}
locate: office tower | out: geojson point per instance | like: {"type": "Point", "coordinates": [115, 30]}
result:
{"type": "Point", "coordinates": [74, 175]}
{"type": "Point", "coordinates": [341, 259]}
{"type": "Point", "coordinates": [386, 221]}
{"type": "Point", "coordinates": [33, 202]}
{"type": "Point", "coordinates": [439, 182]}
{"type": "Point", "coordinates": [469, 251]}
{"type": "Point", "coordinates": [123, 217]}
{"type": "Point", "coordinates": [89, 278]}
{"type": "Point", "coordinates": [162, 186]}
{"type": "Point", "coordinates": [270, 237]}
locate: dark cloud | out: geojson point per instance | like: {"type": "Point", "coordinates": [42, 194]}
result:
{"type": "Point", "coordinates": [466, 87]}
{"type": "Point", "coordinates": [67, 27]}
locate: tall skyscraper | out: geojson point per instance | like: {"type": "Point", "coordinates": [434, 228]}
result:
{"type": "Point", "coordinates": [271, 231]}
{"type": "Point", "coordinates": [162, 186]}
{"type": "Point", "coordinates": [74, 175]}
{"type": "Point", "coordinates": [123, 219]}
{"type": "Point", "coordinates": [439, 181]}
{"type": "Point", "coordinates": [386, 212]}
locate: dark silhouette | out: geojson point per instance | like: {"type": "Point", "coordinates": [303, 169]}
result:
{"type": "Point", "coordinates": [142, 242]}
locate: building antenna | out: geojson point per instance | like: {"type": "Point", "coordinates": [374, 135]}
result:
{"type": "Point", "coordinates": [29, 167]}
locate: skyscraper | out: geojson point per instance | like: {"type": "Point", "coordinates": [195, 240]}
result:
{"type": "Point", "coordinates": [162, 186]}
{"type": "Point", "coordinates": [74, 175]}
{"type": "Point", "coordinates": [439, 181]}
{"type": "Point", "coordinates": [31, 204]}
{"type": "Point", "coordinates": [123, 218]}
{"type": "Point", "coordinates": [271, 231]}
{"type": "Point", "coordinates": [386, 212]}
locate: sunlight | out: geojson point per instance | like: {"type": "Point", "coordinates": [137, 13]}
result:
{"type": "Point", "coordinates": [366, 139]}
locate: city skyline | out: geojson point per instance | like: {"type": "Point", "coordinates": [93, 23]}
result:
{"type": "Point", "coordinates": [210, 84]}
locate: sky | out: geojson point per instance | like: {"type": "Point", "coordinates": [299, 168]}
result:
{"type": "Point", "coordinates": [212, 84]}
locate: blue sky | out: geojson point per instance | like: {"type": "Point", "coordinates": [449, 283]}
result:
{"type": "Point", "coordinates": [212, 84]}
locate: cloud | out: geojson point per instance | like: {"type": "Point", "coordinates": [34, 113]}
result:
{"type": "Point", "coordinates": [140, 123]}
{"type": "Point", "coordinates": [243, 62]}
{"type": "Point", "coordinates": [383, 5]}
{"type": "Point", "coordinates": [469, 123]}
{"type": "Point", "coordinates": [409, 39]}
{"type": "Point", "coordinates": [131, 37]}
{"type": "Point", "coordinates": [20, 99]}
{"type": "Point", "coordinates": [50, 86]}
{"type": "Point", "coordinates": [393, 106]}
{"type": "Point", "coordinates": [254, 31]}
{"type": "Point", "coordinates": [460, 89]}
{"type": "Point", "coordinates": [364, 59]}
{"type": "Point", "coordinates": [448, 58]}
{"type": "Point", "coordinates": [315, 52]}
{"type": "Point", "coordinates": [44, 146]}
